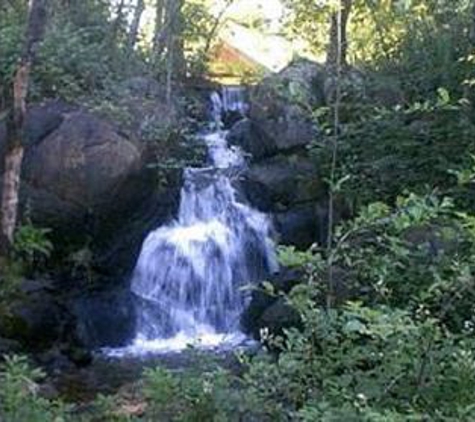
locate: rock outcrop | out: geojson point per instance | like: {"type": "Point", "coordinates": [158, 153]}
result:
{"type": "Point", "coordinates": [282, 179]}
{"type": "Point", "coordinates": [90, 183]}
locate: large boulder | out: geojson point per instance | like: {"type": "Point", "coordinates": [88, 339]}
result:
{"type": "Point", "coordinates": [247, 135]}
{"type": "Point", "coordinates": [287, 187]}
{"type": "Point", "coordinates": [104, 318]}
{"type": "Point", "coordinates": [34, 317]}
{"type": "Point", "coordinates": [286, 180]}
{"type": "Point", "coordinates": [77, 169]}
{"type": "Point", "coordinates": [280, 105]}
{"type": "Point", "coordinates": [90, 181]}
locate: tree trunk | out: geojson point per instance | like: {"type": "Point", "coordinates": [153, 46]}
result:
{"type": "Point", "coordinates": [159, 27]}
{"type": "Point", "coordinates": [472, 23]}
{"type": "Point", "coordinates": [175, 58]}
{"type": "Point", "coordinates": [162, 33]}
{"type": "Point", "coordinates": [134, 27]}
{"type": "Point", "coordinates": [468, 91]}
{"type": "Point", "coordinates": [179, 68]}
{"type": "Point", "coordinates": [116, 25]}
{"type": "Point", "coordinates": [337, 45]}
{"type": "Point", "coordinates": [14, 151]}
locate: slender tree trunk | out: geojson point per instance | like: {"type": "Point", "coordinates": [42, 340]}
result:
{"type": "Point", "coordinates": [177, 41]}
{"type": "Point", "coordinates": [119, 19]}
{"type": "Point", "coordinates": [14, 153]}
{"type": "Point", "coordinates": [134, 27]}
{"type": "Point", "coordinates": [468, 90]}
{"type": "Point", "coordinates": [159, 26]}
{"type": "Point", "coordinates": [339, 34]}
{"type": "Point", "coordinates": [170, 67]}
{"type": "Point", "coordinates": [174, 45]}
{"type": "Point", "coordinates": [161, 36]}
{"type": "Point", "coordinates": [339, 38]}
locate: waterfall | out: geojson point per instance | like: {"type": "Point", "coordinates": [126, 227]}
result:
{"type": "Point", "coordinates": [232, 100]}
{"type": "Point", "coordinates": [190, 274]}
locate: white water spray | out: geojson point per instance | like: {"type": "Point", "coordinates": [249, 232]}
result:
{"type": "Point", "coordinates": [190, 274]}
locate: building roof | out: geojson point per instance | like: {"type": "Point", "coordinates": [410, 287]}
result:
{"type": "Point", "coordinates": [270, 51]}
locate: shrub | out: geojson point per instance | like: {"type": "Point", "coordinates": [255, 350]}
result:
{"type": "Point", "coordinates": [402, 150]}
{"type": "Point", "coordinates": [19, 399]}
{"type": "Point", "coordinates": [31, 244]}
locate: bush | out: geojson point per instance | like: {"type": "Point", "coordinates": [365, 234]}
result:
{"type": "Point", "coordinates": [19, 399]}
{"type": "Point", "coordinates": [402, 150]}
{"type": "Point", "coordinates": [31, 244]}
{"type": "Point", "coordinates": [199, 394]}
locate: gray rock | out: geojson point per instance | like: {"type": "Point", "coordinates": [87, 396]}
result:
{"type": "Point", "coordinates": [246, 135]}
{"type": "Point", "coordinates": [271, 311]}
{"type": "Point", "coordinates": [281, 105]}
{"type": "Point", "coordinates": [36, 320]}
{"type": "Point", "coordinates": [352, 83]}
{"type": "Point", "coordinates": [298, 226]}
{"type": "Point", "coordinates": [279, 316]}
{"type": "Point", "coordinates": [83, 163]}
{"type": "Point", "coordinates": [286, 179]}
{"type": "Point", "coordinates": [104, 318]}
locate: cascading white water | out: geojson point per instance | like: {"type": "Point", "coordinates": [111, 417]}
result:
{"type": "Point", "coordinates": [190, 274]}
{"type": "Point", "coordinates": [232, 99]}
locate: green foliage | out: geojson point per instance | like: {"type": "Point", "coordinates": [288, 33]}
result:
{"type": "Point", "coordinates": [31, 244]}
{"type": "Point", "coordinates": [290, 257]}
{"type": "Point", "coordinates": [161, 388]}
{"type": "Point", "coordinates": [432, 42]}
{"type": "Point", "coordinates": [10, 42]}
{"type": "Point", "coordinates": [188, 396]}
{"type": "Point", "coordinates": [11, 274]}
{"type": "Point", "coordinates": [71, 63]}
{"type": "Point", "coordinates": [418, 256]}
{"type": "Point", "coordinates": [399, 150]}
{"type": "Point", "coordinates": [19, 399]}
{"type": "Point", "coordinates": [358, 362]}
